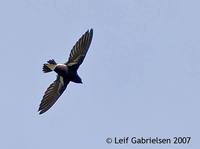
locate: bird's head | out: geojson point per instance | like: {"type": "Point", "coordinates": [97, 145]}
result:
{"type": "Point", "coordinates": [78, 80]}
{"type": "Point", "coordinates": [81, 81]}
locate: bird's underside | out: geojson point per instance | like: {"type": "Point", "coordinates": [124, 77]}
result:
{"type": "Point", "coordinates": [65, 72]}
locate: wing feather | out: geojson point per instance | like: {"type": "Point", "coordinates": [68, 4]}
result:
{"type": "Point", "coordinates": [51, 95]}
{"type": "Point", "coordinates": [80, 49]}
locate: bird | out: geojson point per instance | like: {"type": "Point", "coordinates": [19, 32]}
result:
{"type": "Point", "coordinates": [66, 72]}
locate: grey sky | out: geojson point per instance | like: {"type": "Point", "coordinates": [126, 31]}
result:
{"type": "Point", "coordinates": [141, 76]}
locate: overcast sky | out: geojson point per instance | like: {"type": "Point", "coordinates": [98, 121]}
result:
{"type": "Point", "coordinates": [141, 76]}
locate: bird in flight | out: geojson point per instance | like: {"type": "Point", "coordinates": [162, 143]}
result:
{"type": "Point", "coordinates": [65, 72]}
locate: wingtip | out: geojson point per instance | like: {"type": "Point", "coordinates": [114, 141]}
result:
{"type": "Point", "coordinates": [91, 31]}
{"type": "Point", "coordinates": [41, 111]}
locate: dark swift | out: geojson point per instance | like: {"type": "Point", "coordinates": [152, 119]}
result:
{"type": "Point", "coordinates": [65, 72]}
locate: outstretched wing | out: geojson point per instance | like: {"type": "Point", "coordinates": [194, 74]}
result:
{"type": "Point", "coordinates": [80, 49]}
{"type": "Point", "coordinates": [51, 95]}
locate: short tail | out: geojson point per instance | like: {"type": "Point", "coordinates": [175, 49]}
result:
{"type": "Point", "coordinates": [49, 66]}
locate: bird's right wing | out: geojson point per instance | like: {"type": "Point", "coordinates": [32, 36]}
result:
{"type": "Point", "coordinates": [53, 92]}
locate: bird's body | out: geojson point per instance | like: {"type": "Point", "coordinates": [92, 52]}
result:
{"type": "Point", "coordinates": [65, 72]}
{"type": "Point", "coordinates": [68, 73]}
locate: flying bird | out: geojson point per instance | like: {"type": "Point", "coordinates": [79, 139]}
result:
{"type": "Point", "coordinates": [66, 72]}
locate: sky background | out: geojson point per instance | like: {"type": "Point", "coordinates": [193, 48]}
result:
{"type": "Point", "coordinates": [141, 76]}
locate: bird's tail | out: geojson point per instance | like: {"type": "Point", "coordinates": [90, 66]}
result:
{"type": "Point", "coordinates": [49, 66]}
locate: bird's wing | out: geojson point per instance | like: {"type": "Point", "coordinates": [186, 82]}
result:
{"type": "Point", "coordinates": [51, 95]}
{"type": "Point", "coordinates": [80, 49]}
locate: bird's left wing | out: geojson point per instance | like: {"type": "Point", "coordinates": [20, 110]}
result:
{"type": "Point", "coordinates": [53, 92]}
{"type": "Point", "coordinates": [80, 49]}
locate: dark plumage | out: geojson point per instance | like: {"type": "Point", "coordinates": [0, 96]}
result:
{"type": "Point", "coordinates": [65, 72]}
